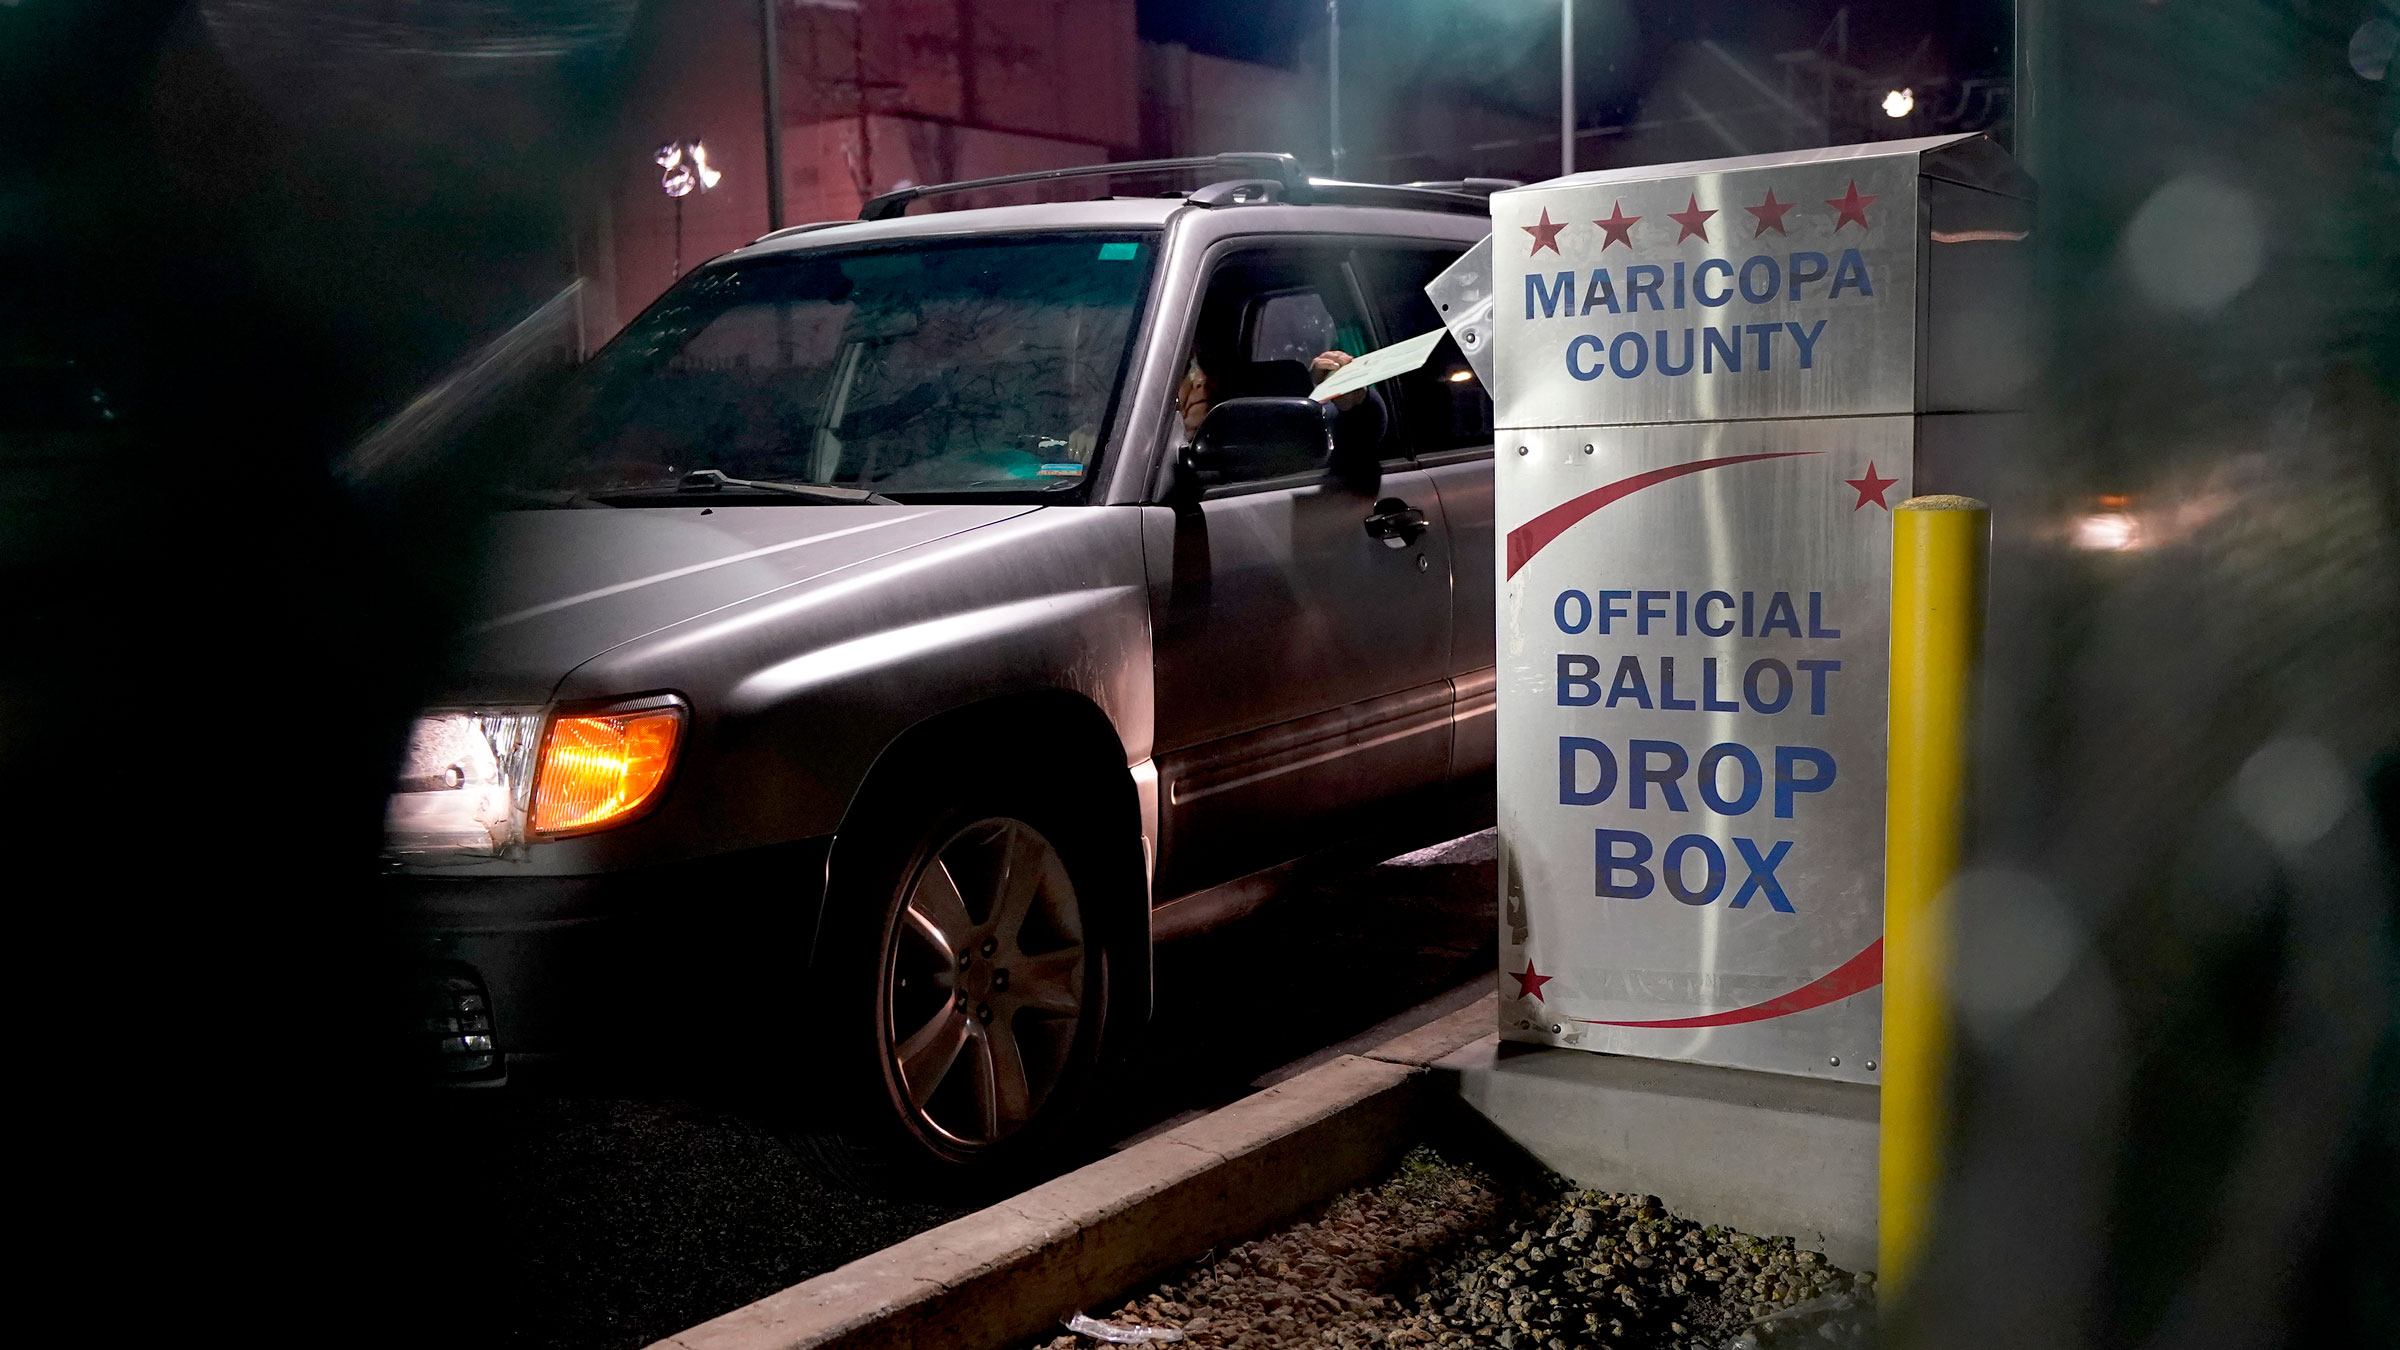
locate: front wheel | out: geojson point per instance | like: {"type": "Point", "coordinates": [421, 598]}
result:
{"type": "Point", "coordinates": [971, 987]}
{"type": "Point", "coordinates": [984, 986]}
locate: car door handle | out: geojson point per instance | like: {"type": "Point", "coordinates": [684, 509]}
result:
{"type": "Point", "coordinates": [1395, 522]}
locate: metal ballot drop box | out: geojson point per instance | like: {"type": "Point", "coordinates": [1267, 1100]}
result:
{"type": "Point", "coordinates": [1713, 381]}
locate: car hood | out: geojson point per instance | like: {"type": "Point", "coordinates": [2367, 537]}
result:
{"type": "Point", "coordinates": [560, 587]}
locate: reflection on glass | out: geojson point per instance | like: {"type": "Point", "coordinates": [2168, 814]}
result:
{"type": "Point", "coordinates": [965, 367]}
{"type": "Point", "coordinates": [2107, 532]}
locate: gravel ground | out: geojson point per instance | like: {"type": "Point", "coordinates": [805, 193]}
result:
{"type": "Point", "coordinates": [610, 1222]}
{"type": "Point", "coordinates": [1441, 1255]}
{"type": "Point", "coordinates": [592, 1222]}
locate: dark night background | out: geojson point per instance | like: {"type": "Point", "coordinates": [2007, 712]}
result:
{"type": "Point", "coordinates": [211, 283]}
{"type": "Point", "coordinates": [1507, 53]}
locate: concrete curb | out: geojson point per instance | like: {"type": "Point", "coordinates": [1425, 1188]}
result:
{"type": "Point", "coordinates": [1008, 1273]}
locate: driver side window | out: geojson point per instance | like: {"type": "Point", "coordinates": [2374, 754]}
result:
{"type": "Point", "coordinates": [1268, 312]}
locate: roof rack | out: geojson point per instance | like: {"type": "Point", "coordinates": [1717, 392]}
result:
{"type": "Point", "coordinates": [1481, 187]}
{"type": "Point", "coordinates": [1257, 177]}
{"type": "Point", "coordinates": [1410, 196]}
{"type": "Point", "coordinates": [798, 229]}
{"type": "Point", "coordinates": [1281, 169]}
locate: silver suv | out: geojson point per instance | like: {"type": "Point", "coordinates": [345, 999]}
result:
{"type": "Point", "coordinates": [905, 622]}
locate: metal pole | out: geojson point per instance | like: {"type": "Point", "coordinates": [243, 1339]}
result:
{"type": "Point", "coordinates": [678, 264]}
{"type": "Point", "coordinates": [770, 65]}
{"type": "Point", "coordinates": [1333, 79]}
{"type": "Point", "coordinates": [2029, 85]}
{"type": "Point", "coordinates": [1938, 551]}
{"type": "Point", "coordinates": [1566, 87]}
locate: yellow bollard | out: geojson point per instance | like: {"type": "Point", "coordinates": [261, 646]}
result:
{"type": "Point", "coordinates": [1939, 545]}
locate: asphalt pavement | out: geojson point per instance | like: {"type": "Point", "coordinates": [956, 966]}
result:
{"type": "Point", "coordinates": [610, 1222]}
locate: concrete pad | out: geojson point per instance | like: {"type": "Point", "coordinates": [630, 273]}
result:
{"type": "Point", "coordinates": [1765, 1153]}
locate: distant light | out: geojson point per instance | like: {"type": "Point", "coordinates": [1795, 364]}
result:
{"type": "Point", "coordinates": [1461, 376]}
{"type": "Point", "coordinates": [1899, 102]}
{"type": "Point", "coordinates": [2107, 532]}
{"type": "Point", "coordinates": [685, 167]}
{"type": "Point", "coordinates": [676, 181]}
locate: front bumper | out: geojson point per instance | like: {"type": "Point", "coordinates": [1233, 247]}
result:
{"type": "Point", "coordinates": [687, 968]}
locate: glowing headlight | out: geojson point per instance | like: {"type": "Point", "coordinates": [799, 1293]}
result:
{"type": "Point", "coordinates": [466, 785]}
{"type": "Point", "coordinates": [481, 785]}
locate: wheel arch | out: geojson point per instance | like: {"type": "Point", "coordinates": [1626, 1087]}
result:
{"type": "Point", "coordinates": [1071, 738]}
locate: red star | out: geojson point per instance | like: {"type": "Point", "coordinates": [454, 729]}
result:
{"type": "Point", "coordinates": [1871, 488]}
{"type": "Point", "coordinates": [1618, 227]}
{"type": "Point", "coordinates": [1769, 213]}
{"type": "Point", "coordinates": [1692, 219]}
{"type": "Point", "coordinates": [1529, 984]}
{"type": "Point", "coordinates": [1850, 206]}
{"type": "Point", "coordinates": [1545, 235]}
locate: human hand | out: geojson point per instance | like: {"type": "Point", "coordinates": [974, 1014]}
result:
{"type": "Point", "coordinates": [1327, 363]}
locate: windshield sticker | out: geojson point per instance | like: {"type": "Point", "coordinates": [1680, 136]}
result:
{"type": "Point", "coordinates": [1061, 471]}
{"type": "Point", "coordinates": [1120, 252]}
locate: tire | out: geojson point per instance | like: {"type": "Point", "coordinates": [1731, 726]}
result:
{"type": "Point", "coordinates": [964, 967]}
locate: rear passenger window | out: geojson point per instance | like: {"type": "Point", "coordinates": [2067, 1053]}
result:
{"type": "Point", "coordinates": [1443, 406]}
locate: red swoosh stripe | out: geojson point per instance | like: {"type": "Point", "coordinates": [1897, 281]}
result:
{"type": "Point", "coordinates": [1535, 535]}
{"type": "Point", "coordinates": [1861, 972]}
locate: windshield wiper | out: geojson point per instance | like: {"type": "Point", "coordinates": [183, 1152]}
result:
{"type": "Point", "coordinates": [561, 499]}
{"type": "Point", "coordinates": [715, 480]}
{"type": "Point", "coordinates": [986, 486]}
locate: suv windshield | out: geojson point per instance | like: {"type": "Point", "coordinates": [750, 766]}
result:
{"type": "Point", "coordinates": [976, 366]}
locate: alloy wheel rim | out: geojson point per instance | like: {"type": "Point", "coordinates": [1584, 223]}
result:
{"type": "Point", "coordinates": [983, 986]}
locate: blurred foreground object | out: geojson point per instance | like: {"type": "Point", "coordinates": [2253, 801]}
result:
{"type": "Point", "coordinates": [2175, 1067]}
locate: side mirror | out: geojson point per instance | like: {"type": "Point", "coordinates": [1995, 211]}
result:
{"type": "Point", "coordinates": [1250, 438]}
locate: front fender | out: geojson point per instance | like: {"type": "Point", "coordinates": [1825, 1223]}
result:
{"type": "Point", "coordinates": [796, 694]}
